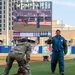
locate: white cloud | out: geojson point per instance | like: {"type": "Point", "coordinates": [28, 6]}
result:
{"type": "Point", "coordinates": [66, 3]}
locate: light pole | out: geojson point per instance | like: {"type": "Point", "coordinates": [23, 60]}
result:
{"type": "Point", "coordinates": [7, 6]}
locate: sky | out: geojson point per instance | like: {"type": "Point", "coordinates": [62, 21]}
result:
{"type": "Point", "coordinates": [63, 11]}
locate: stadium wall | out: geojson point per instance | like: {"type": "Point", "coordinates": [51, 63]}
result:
{"type": "Point", "coordinates": [37, 50]}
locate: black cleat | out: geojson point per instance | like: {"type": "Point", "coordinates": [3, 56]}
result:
{"type": "Point", "coordinates": [61, 73]}
{"type": "Point", "coordinates": [53, 72]}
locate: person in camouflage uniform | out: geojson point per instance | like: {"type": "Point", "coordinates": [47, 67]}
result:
{"type": "Point", "coordinates": [18, 53]}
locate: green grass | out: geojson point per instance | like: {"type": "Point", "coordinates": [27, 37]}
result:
{"type": "Point", "coordinates": [43, 68]}
{"type": "Point", "coordinates": [2, 60]}
{"type": "Point", "coordinates": [32, 28]}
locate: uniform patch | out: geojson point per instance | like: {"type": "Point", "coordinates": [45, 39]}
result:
{"type": "Point", "coordinates": [61, 40]}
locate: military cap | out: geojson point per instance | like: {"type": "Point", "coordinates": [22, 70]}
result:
{"type": "Point", "coordinates": [27, 40]}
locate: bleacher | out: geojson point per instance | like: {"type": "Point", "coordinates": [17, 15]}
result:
{"type": "Point", "coordinates": [44, 14]}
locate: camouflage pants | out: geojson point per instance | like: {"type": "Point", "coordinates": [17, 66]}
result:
{"type": "Point", "coordinates": [27, 69]}
{"type": "Point", "coordinates": [21, 62]}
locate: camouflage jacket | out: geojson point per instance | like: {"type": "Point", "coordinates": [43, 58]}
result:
{"type": "Point", "coordinates": [24, 48]}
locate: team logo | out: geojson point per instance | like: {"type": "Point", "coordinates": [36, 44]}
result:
{"type": "Point", "coordinates": [62, 40]}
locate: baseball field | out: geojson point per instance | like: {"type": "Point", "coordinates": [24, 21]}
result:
{"type": "Point", "coordinates": [42, 67]}
{"type": "Point", "coordinates": [32, 27]}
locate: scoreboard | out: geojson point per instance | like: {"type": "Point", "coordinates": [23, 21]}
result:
{"type": "Point", "coordinates": [27, 22]}
{"type": "Point", "coordinates": [32, 34]}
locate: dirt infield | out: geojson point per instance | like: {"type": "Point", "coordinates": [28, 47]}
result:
{"type": "Point", "coordinates": [3, 58]}
{"type": "Point", "coordinates": [34, 58]}
{"type": "Point", "coordinates": [4, 63]}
